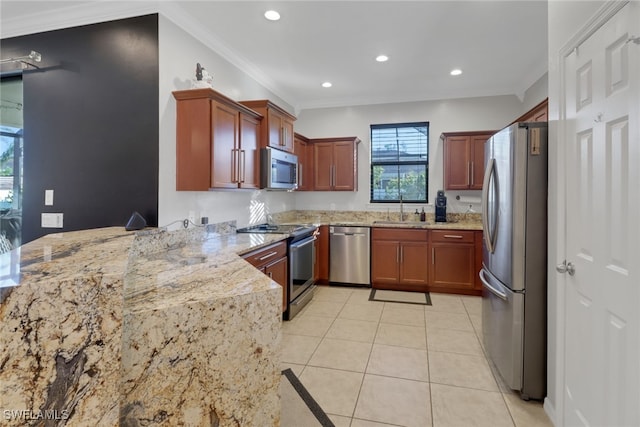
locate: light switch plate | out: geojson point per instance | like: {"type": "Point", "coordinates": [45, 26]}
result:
{"type": "Point", "coordinates": [52, 220]}
{"type": "Point", "coordinates": [48, 197]}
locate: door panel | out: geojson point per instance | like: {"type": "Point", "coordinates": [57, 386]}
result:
{"type": "Point", "coordinates": [503, 328]}
{"type": "Point", "coordinates": [601, 369]}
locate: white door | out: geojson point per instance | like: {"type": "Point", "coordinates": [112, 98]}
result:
{"type": "Point", "coordinates": [602, 157]}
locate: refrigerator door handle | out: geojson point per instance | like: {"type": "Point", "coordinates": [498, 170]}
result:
{"type": "Point", "coordinates": [489, 235]}
{"type": "Point", "coordinates": [491, 289]}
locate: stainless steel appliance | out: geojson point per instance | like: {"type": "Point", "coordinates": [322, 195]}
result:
{"type": "Point", "coordinates": [302, 258]}
{"type": "Point", "coordinates": [514, 215]}
{"type": "Point", "coordinates": [278, 169]}
{"type": "Point", "coordinates": [349, 255]}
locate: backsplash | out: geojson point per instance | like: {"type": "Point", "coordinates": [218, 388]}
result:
{"type": "Point", "coordinates": [320, 217]}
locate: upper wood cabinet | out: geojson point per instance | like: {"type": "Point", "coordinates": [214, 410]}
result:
{"type": "Point", "coordinates": [335, 164]}
{"type": "Point", "coordinates": [217, 142]}
{"type": "Point", "coordinates": [277, 125]}
{"type": "Point", "coordinates": [539, 113]}
{"type": "Point", "coordinates": [464, 159]}
{"type": "Point", "coordinates": [303, 149]}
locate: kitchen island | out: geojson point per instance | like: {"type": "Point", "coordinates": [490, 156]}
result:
{"type": "Point", "coordinates": [108, 327]}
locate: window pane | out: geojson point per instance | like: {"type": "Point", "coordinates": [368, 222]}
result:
{"type": "Point", "coordinates": [391, 181]}
{"type": "Point", "coordinates": [399, 162]}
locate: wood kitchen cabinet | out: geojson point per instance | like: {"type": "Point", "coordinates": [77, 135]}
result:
{"type": "Point", "coordinates": [335, 164]}
{"type": "Point", "coordinates": [217, 142]}
{"type": "Point", "coordinates": [303, 149]}
{"type": "Point", "coordinates": [277, 125]}
{"type": "Point", "coordinates": [321, 269]}
{"type": "Point", "coordinates": [454, 261]}
{"type": "Point", "coordinates": [464, 159]}
{"type": "Point", "coordinates": [539, 113]}
{"type": "Point", "coordinates": [399, 259]}
{"type": "Point", "coordinates": [272, 261]}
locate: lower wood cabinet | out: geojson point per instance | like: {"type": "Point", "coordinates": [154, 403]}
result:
{"type": "Point", "coordinates": [445, 261]}
{"type": "Point", "coordinates": [321, 268]}
{"type": "Point", "coordinates": [399, 259]}
{"type": "Point", "coordinates": [272, 261]}
{"type": "Point", "coordinates": [453, 261]}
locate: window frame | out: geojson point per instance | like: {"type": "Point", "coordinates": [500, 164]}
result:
{"type": "Point", "coordinates": [398, 163]}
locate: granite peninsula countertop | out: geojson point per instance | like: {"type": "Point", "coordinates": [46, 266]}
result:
{"type": "Point", "coordinates": [108, 327]}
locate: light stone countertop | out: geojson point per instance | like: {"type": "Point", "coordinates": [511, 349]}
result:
{"type": "Point", "coordinates": [105, 327]}
{"type": "Point", "coordinates": [455, 221]}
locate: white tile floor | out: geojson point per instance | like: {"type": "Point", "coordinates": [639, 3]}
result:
{"type": "Point", "coordinates": [378, 363]}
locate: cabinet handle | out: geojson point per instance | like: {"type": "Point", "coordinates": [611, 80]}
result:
{"type": "Point", "coordinates": [472, 167]}
{"type": "Point", "coordinates": [270, 274]}
{"type": "Point", "coordinates": [269, 255]}
{"type": "Point", "coordinates": [300, 175]}
{"type": "Point", "coordinates": [244, 165]}
{"type": "Point", "coordinates": [234, 165]}
{"type": "Point", "coordinates": [433, 256]}
{"type": "Point", "coordinates": [468, 175]}
{"type": "Point", "coordinates": [401, 255]}
{"type": "Point", "coordinates": [398, 255]}
{"type": "Point", "coordinates": [452, 236]}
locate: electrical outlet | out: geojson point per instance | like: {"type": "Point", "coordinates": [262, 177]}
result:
{"type": "Point", "coordinates": [51, 220]}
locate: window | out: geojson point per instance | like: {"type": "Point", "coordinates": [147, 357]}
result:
{"type": "Point", "coordinates": [399, 162]}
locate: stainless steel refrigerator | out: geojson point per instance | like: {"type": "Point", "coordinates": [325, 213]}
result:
{"type": "Point", "coordinates": [514, 264]}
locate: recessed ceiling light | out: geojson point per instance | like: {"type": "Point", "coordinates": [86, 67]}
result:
{"type": "Point", "coordinates": [272, 15]}
{"type": "Point", "coordinates": [456, 72]}
{"type": "Point", "coordinates": [326, 84]}
{"type": "Point", "coordinates": [382, 58]}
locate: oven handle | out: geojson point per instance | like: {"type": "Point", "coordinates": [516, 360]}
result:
{"type": "Point", "coordinates": [297, 245]}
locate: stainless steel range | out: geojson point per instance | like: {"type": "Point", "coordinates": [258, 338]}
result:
{"type": "Point", "coordinates": [302, 256]}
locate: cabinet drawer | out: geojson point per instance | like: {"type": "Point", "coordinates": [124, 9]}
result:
{"type": "Point", "coordinates": [266, 255]}
{"type": "Point", "coordinates": [399, 234]}
{"type": "Point", "coordinates": [452, 236]}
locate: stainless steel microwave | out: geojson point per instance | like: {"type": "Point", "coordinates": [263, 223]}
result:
{"type": "Point", "coordinates": [278, 170]}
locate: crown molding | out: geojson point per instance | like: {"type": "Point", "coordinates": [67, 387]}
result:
{"type": "Point", "coordinates": [74, 16]}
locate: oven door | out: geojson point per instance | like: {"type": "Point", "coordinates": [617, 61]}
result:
{"type": "Point", "coordinates": [302, 257]}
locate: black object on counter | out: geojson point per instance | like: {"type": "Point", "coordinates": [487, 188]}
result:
{"type": "Point", "coordinates": [136, 222]}
{"type": "Point", "coordinates": [423, 216]}
{"type": "Point", "coordinates": [441, 207]}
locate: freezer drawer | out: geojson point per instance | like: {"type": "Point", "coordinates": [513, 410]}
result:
{"type": "Point", "coordinates": [503, 328]}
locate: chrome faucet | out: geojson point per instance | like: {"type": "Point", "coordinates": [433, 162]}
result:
{"type": "Point", "coordinates": [401, 209]}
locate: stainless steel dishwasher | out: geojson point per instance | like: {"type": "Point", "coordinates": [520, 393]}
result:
{"type": "Point", "coordinates": [349, 255]}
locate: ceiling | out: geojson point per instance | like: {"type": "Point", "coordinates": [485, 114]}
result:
{"type": "Point", "coordinates": [501, 46]}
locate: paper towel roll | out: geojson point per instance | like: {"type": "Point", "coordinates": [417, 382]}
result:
{"type": "Point", "coordinates": [468, 199]}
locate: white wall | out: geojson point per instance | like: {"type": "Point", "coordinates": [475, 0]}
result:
{"type": "Point", "coordinates": [179, 53]}
{"type": "Point", "coordinates": [565, 19]}
{"type": "Point", "coordinates": [536, 93]}
{"type": "Point", "coordinates": [488, 113]}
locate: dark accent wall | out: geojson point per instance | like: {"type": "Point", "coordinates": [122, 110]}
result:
{"type": "Point", "coordinates": [91, 120]}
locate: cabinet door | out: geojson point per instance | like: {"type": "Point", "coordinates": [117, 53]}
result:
{"type": "Point", "coordinates": [414, 270]}
{"type": "Point", "coordinates": [302, 149]}
{"type": "Point", "coordinates": [277, 271]}
{"type": "Point", "coordinates": [275, 129]}
{"type": "Point", "coordinates": [322, 166]}
{"type": "Point", "coordinates": [225, 151]}
{"type": "Point", "coordinates": [385, 257]}
{"type": "Point", "coordinates": [249, 157]}
{"type": "Point", "coordinates": [344, 178]}
{"type": "Point", "coordinates": [287, 134]}
{"type": "Point", "coordinates": [193, 144]}
{"type": "Point", "coordinates": [477, 161]}
{"type": "Point", "coordinates": [452, 266]}
{"type": "Point", "coordinates": [457, 163]}
{"type": "Point", "coordinates": [322, 254]}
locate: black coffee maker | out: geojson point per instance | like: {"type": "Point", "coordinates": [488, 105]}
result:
{"type": "Point", "coordinates": [441, 207]}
